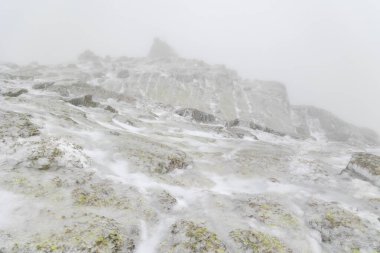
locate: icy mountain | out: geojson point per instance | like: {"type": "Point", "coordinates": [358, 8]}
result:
{"type": "Point", "coordinates": [166, 154]}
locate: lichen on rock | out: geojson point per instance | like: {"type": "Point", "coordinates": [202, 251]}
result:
{"type": "Point", "coordinates": [258, 242]}
{"type": "Point", "coordinates": [189, 237]}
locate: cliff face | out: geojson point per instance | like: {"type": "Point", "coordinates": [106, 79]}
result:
{"type": "Point", "coordinates": [212, 89]}
{"type": "Point", "coordinates": [321, 124]}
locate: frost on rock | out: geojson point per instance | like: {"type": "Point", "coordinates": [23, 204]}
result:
{"type": "Point", "coordinates": [189, 237]}
{"type": "Point", "coordinates": [255, 241]}
{"type": "Point", "coordinates": [342, 229]}
{"type": "Point", "coordinates": [366, 166]}
{"type": "Point", "coordinates": [196, 115]}
{"type": "Point", "coordinates": [98, 157]}
{"type": "Point", "coordinates": [16, 125]}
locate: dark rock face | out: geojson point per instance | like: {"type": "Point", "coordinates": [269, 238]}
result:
{"type": "Point", "coordinates": [83, 101]}
{"type": "Point", "coordinates": [366, 166]}
{"type": "Point", "coordinates": [196, 115]}
{"type": "Point", "coordinates": [15, 93]}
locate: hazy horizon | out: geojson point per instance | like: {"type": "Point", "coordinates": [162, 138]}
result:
{"type": "Point", "coordinates": [326, 53]}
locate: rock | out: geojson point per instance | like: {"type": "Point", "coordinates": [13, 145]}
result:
{"type": "Point", "coordinates": [99, 195]}
{"type": "Point", "coordinates": [366, 166]}
{"type": "Point", "coordinates": [174, 161]}
{"type": "Point", "coordinates": [123, 74]}
{"type": "Point", "coordinates": [323, 125]}
{"type": "Point", "coordinates": [15, 93]}
{"type": "Point", "coordinates": [341, 230]}
{"type": "Point", "coordinates": [42, 86]}
{"type": "Point", "coordinates": [83, 101]}
{"type": "Point", "coordinates": [88, 56]}
{"type": "Point", "coordinates": [241, 133]}
{"type": "Point", "coordinates": [165, 201]}
{"type": "Point", "coordinates": [269, 212]}
{"type": "Point", "coordinates": [110, 108]}
{"type": "Point", "coordinates": [196, 115]}
{"type": "Point", "coordinates": [255, 241]}
{"type": "Point", "coordinates": [161, 49]}
{"type": "Point", "coordinates": [188, 237]}
{"type": "Point", "coordinates": [92, 233]}
{"type": "Point", "coordinates": [232, 123]}
{"type": "Point", "coordinates": [255, 126]}
{"type": "Point", "coordinates": [16, 125]}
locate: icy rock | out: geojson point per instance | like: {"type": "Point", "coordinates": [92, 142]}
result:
{"type": "Point", "coordinates": [323, 125]}
{"type": "Point", "coordinates": [196, 115]}
{"type": "Point", "coordinates": [366, 166]}
{"type": "Point", "coordinates": [189, 237]}
{"type": "Point", "coordinates": [255, 241]}
{"type": "Point", "coordinates": [15, 93]}
{"type": "Point", "coordinates": [42, 86]}
{"type": "Point", "coordinates": [83, 101]}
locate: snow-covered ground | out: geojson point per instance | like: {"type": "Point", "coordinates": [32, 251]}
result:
{"type": "Point", "coordinates": [144, 179]}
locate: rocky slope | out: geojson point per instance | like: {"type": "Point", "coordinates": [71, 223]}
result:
{"type": "Point", "coordinates": [164, 154]}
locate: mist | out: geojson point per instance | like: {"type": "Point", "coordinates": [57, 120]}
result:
{"type": "Point", "coordinates": [326, 52]}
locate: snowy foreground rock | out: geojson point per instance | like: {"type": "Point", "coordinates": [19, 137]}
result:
{"type": "Point", "coordinates": [165, 154]}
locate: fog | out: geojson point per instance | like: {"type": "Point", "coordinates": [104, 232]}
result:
{"type": "Point", "coordinates": [326, 52]}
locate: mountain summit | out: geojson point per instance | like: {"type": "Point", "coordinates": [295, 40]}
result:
{"type": "Point", "coordinates": [164, 154]}
{"type": "Point", "coordinates": [160, 49]}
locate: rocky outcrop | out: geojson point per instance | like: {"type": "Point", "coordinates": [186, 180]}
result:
{"type": "Point", "coordinates": [83, 101]}
{"type": "Point", "coordinates": [323, 125]}
{"type": "Point", "coordinates": [161, 49]}
{"type": "Point", "coordinates": [15, 93]}
{"type": "Point", "coordinates": [196, 115]}
{"type": "Point", "coordinates": [42, 86]}
{"type": "Point", "coordinates": [189, 237]}
{"type": "Point", "coordinates": [366, 166]}
{"type": "Point", "coordinates": [255, 241]}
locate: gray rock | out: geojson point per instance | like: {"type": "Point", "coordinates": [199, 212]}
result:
{"type": "Point", "coordinates": [42, 86]}
{"type": "Point", "coordinates": [196, 115]}
{"type": "Point", "coordinates": [366, 166]}
{"type": "Point", "coordinates": [83, 101]}
{"type": "Point", "coordinates": [15, 93]}
{"type": "Point", "coordinates": [321, 124]}
{"type": "Point", "coordinates": [110, 108]}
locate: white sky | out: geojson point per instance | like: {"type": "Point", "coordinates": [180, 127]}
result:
{"type": "Point", "coordinates": [327, 52]}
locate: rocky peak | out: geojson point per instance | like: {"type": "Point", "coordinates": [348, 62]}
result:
{"type": "Point", "coordinates": [160, 49]}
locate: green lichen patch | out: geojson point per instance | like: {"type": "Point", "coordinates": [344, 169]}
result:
{"type": "Point", "coordinates": [187, 236]}
{"type": "Point", "coordinates": [270, 212]}
{"type": "Point", "coordinates": [16, 125]}
{"type": "Point", "coordinates": [53, 154]}
{"type": "Point", "coordinates": [174, 161]}
{"type": "Point", "coordinates": [258, 242]}
{"type": "Point", "coordinates": [95, 234]}
{"type": "Point", "coordinates": [99, 195]}
{"type": "Point", "coordinates": [341, 229]}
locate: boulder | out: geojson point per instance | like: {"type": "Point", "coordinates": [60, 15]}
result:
{"type": "Point", "coordinates": [196, 115]}
{"type": "Point", "coordinates": [83, 101]}
{"type": "Point", "coordinates": [15, 93]}
{"type": "Point", "coordinates": [366, 166]}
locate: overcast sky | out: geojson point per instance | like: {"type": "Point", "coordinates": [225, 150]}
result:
{"type": "Point", "coordinates": [327, 52]}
